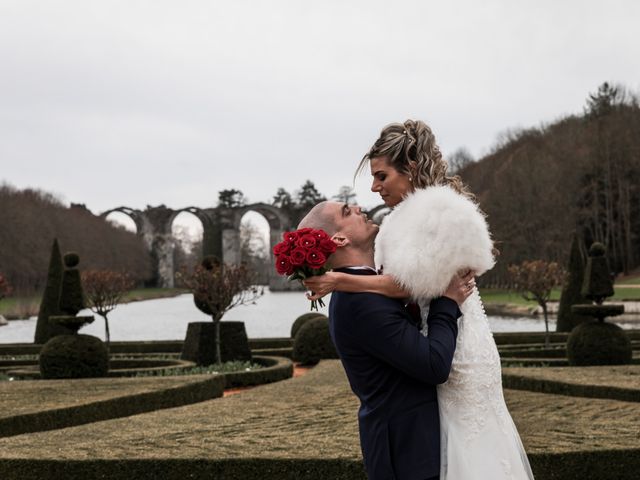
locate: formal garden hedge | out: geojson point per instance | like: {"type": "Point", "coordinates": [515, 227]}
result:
{"type": "Point", "coordinates": [162, 396]}
{"type": "Point", "coordinates": [612, 382]}
{"type": "Point", "coordinates": [255, 435]}
{"type": "Point", "coordinates": [165, 394]}
{"type": "Point", "coordinates": [181, 469]}
{"type": "Point", "coordinates": [275, 369]}
{"type": "Point", "coordinates": [598, 465]}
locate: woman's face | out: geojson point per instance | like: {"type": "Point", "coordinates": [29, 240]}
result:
{"type": "Point", "coordinates": [392, 185]}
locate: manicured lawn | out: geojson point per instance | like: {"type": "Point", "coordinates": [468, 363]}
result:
{"type": "Point", "coordinates": [500, 296]}
{"type": "Point", "coordinates": [630, 280]}
{"type": "Point", "coordinates": [622, 293]}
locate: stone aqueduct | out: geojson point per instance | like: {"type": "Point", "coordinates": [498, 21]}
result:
{"type": "Point", "coordinates": [221, 234]}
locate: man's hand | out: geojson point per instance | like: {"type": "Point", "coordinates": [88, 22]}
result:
{"type": "Point", "coordinates": [461, 286]}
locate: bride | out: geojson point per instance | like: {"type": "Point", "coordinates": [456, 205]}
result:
{"type": "Point", "coordinates": [434, 231]}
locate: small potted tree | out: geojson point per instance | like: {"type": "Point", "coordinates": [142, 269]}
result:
{"type": "Point", "coordinates": [104, 290]}
{"type": "Point", "coordinates": [534, 280]}
{"type": "Point", "coordinates": [217, 288]}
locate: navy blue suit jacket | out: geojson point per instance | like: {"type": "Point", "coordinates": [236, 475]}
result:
{"type": "Point", "coordinates": [394, 370]}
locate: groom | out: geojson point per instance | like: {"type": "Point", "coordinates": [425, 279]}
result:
{"type": "Point", "coordinates": [391, 366]}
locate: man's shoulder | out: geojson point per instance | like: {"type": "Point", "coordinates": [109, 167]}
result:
{"type": "Point", "coordinates": [363, 304]}
{"type": "Point", "coordinates": [349, 298]}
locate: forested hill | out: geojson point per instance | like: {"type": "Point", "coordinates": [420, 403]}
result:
{"type": "Point", "coordinates": [31, 219]}
{"type": "Point", "coordinates": [580, 174]}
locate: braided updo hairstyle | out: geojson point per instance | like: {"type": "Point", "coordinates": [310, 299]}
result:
{"type": "Point", "coordinates": [413, 141]}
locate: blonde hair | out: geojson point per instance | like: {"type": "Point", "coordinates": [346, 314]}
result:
{"type": "Point", "coordinates": [413, 141]}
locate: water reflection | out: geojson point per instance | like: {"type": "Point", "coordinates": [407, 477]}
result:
{"type": "Point", "coordinates": [272, 316]}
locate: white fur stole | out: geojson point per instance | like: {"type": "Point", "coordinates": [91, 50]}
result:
{"type": "Point", "coordinates": [429, 237]}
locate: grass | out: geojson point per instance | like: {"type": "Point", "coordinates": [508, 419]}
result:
{"type": "Point", "coordinates": [629, 294]}
{"type": "Point", "coordinates": [151, 293]}
{"type": "Point", "coordinates": [632, 279]}
{"type": "Point", "coordinates": [504, 297]}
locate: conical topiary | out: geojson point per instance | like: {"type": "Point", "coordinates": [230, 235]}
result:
{"type": "Point", "coordinates": [571, 289]}
{"type": "Point", "coordinates": [50, 304]}
{"type": "Point", "coordinates": [71, 295]}
{"type": "Point", "coordinates": [598, 283]}
{"type": "Point", "coordinates": [598, 342]}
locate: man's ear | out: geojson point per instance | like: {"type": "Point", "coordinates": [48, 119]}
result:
{"type": "Point", "coordinates": [340, 240]}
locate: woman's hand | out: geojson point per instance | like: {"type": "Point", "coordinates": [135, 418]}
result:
{"type": "Point", "coordinates": [321, 285]}
{"type": "Point", "coordinates": [460, 287]}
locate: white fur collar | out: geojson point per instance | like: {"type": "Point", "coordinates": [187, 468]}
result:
{"type": "Point", "coordinates": [429, 237]}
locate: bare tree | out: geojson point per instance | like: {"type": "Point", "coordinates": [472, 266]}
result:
{"type": "Point", "coordinates": [104, 290]}
{"type": "Point", "coordinates": [459, 160]}
{"type": "Point", "coordinates": [217, 288]}
{"type": "Point", "coordinates": [534, 280]}
{"type": "Point", "coordinates": [345, 195]}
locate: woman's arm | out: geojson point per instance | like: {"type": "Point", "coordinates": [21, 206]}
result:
{"type": "Point", "coordinates": [383, 284]}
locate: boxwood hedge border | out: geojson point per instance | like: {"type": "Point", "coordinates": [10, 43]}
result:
{"type": "Point", "coordinates": [583, 465]}
{"type": "Point", "coordinates": [211, 386]}
{"type": "Point", "coordinates": [520, 382]}
{"type": "Point", "coordinates": [123, 406]}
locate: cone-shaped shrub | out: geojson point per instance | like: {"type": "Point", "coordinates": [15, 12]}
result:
{"type": "Point", "coordinates": [71, 296]}
{"type": "Point", "coordinates": [598, 283]}
{"type": "Point", "coordinates": [50, 304]}
{"type": "Point", "coordinates": [571, 289]}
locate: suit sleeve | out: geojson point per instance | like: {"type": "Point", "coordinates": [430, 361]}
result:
{"type": "Point", "coordinates": [393, 339]}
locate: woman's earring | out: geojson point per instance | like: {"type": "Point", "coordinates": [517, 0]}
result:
{"type": "Point", "coordinates": [410, 179]}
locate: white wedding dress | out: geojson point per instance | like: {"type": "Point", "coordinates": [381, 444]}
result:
{"type": "Point", "coordinates": [478, 439]}
{"type": "Point", "coordinates": [429, 237]}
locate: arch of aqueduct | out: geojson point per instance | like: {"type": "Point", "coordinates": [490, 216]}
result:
{"type": "Point", "coordinates": [221, 234]}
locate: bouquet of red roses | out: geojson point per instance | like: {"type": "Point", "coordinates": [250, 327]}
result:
{"type": "Point", "coordinates": [302, 254]}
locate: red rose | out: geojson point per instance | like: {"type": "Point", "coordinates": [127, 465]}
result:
{"type": "Point", "coordinates": [327, 246]}
{"type": "Point", "coordinates": [319, 235]}
{"type": "Point", "coordinates": [316, 259]}
{"type": "Point", "coordinates": [283, 265]}
{"type": "Point", "coordinates": [290, 237]}
{"type": "Point", "coordinates": [298, 256]}
{"type": "Point", "coordinates": [304, 231]}
{"type": "Point", "coordinates": [307, 241]}
{"type": "Point", "coordinates": [280, 248]}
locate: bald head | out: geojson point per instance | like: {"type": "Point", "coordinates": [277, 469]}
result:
{"type": "Point", "coordinates": [320, 217]}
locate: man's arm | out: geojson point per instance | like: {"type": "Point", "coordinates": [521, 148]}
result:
{"type": "Point", "coordinates": [387, 334]}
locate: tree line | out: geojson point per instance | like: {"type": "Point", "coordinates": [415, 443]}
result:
{"type": "Point", "coordinates": [30, 220]}
{"type": "Point", "coordinates": [577, 176]}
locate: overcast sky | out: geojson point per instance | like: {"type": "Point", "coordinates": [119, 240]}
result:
{"type": "Point", "coordinates": [113, 103]}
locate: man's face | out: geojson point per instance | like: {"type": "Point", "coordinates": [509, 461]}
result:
{"type": "Point", "coordinates": [353, 224]}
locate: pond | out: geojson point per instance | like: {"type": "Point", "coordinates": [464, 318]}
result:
{"type": "Point", "coordinates": [271, 316]}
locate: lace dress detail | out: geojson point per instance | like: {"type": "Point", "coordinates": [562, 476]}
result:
{"type": "Point", "coordinates": [478, 437]}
